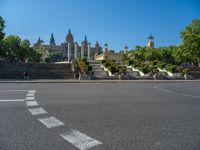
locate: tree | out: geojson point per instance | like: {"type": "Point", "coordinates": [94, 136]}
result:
{"type": "Point", "coordinates": [12, 47]}
{"type": "Point", "coordinates": [181, 55]}
{"type": "Point", "coordinates": [26, 52]}
{"type": "Point", "coordinates": [2, 26]}
{"type": "Point", "coordinates": [33, 55]}
{"type": "Point", "coordinates": [191, 39]}
{"type": "Point", "coordinates": [23, 52]}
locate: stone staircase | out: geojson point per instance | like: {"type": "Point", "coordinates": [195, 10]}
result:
{"type": "Point", "coordinates": [36, 71]}
{"type": "Point", "coordinates": [98, 72]}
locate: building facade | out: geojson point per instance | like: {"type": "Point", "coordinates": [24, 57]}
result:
{"type": "Point", "coordinates": [109, 55]}
{"type": "Point", "coordinates": [69, 49]}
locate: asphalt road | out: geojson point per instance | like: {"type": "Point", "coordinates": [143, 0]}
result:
{"type": "Point", "coordinates": [100, 116]}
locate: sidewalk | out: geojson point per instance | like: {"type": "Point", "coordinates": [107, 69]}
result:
{"type": "Point", "coordinates": [96, 81]}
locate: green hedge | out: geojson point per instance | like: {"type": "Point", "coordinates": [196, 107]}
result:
{"type": "Point", "coordinates": [171, 68]}
{"type": "Point", "coordinates": [112, 69]}
{"type": "Point", "coordinates": [84, 65]}
{"type": "Point", "coordinates": [130, 62]}
{"type": "Point", "coordinates": [144, 69]}
{"type": "Point", "coordinates": [161, 65]}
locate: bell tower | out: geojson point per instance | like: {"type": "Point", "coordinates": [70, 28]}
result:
{"type": "Point", "coordinates": [52, 40]}
{"type": "Point", "coordinates": [151, 41]}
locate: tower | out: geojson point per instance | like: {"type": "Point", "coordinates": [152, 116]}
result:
{"type": "Point", "coordinates": [106, 51]}
{"type": "Point", "coordinates": [106, 47]}
{"type": "Point", "coordinates": [151, 41]}
{"type": "Point", "coordinates": [126, 49]}
{"type": "Point", "coordinates": [39, 42]}
{"type": "Point", "coordinates": [69, 38]}
{"type": "Point", "coordinates": [85, 45]}
{"type": "Point", "coordinates": [97, 48]}
{"type": "Point", "coordinates": [52, 40]}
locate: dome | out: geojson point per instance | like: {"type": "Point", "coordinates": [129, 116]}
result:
{"type": "Point", "coordinates": [106, 45]}
{"type": "Point", "coordinates": [69, 38]}
{"type": "Point", "coordinates": [151, 37]}
{"type": "Point", "coordinates": [126, 47]}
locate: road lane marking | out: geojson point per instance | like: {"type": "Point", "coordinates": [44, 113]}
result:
{"type": "Point", "coordinates": [30, 94]}
{"type": "Point", "coordinates": [190, 95]}
{"type": "Point", "coordinates": [30, 98]}
{"type": "Point", "coordinates": [31, 103]}
{"type": "Point", "coordinates": [13, 90]}
{"type": "Point", "coordinates": [80, 140]}
{"type": "Point", "coordinates": [51, 122]}
{"type": "Point", "coordinates": [37, 111]}
{"type": "Point", "coordinates": [12, 100]}
{"type": "Point", "coordinates": [165, 90]}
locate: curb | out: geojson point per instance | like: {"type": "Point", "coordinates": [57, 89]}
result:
{"type": "Point", "coordinates": [97, 81]}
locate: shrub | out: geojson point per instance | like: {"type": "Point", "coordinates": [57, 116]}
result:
{"type": "Point", "coordinates": [121, 70]}
{"type": "Point", "coordinates": [144, 69]}
{"type": "Point", "coordinates": [89, 68]}
{"type": "Point", "coordinates": [136, 65]}
{"type": "Point", "coordinates": [161, 65]}
{"type": "Point", "coordinates": [130, 62]}
{"type": "Point", "coordinates": [185, 71]}
{"type": "Point", "coordinates": [107, 64]}
{"type": "Point", "coordinates": [112, 69]}
{"type": "Point", "coordinates": [171, 68]}
{"type": "Point", "coordinates": [153, 63]}
{"type": "Point", "coordinates": [103, 61]}
{"type": "Point", "coordinates": [47, 60]}
{"type": "Point", "coordinates": [84, 60]}
{"type": "Point", "coordinates": [86, 63]}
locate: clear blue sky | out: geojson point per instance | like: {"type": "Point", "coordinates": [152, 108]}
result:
{"type": "Point", "coordinates": [117, 22]}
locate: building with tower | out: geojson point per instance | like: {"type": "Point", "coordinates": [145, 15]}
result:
{"type": "Point", "coordinates": [109, 55]}
{"type": "Point", "coordinates": [151, 41]}
{"type": "Point", "coordinates": [69, 49]}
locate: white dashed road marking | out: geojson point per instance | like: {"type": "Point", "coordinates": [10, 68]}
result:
{"type": "Point", "coordinates": [80, 140]}
{"type": "Point", "coordinates": [30, 94]}
{"type": "Point", "coordinates": [33, 91]}
{"type": "Point", "coordinates": [31, 103]}
{"type": "Point", "coordinates": [51, 122]}
{"type": "Point", "coordinates": [12, 100]}
{"type": "Point", "coordinates": [37, 111]}
{"type": "Point", "coordinates": [165, 90]}
{"type": "Point", "coordinates": [190, 95]}
{"type": "Point", "coordinates": [30, 98]}
{"type": "Point", "coordinates": [13, 90]}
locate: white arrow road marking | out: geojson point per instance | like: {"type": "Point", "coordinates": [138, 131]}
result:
{"type": "Point", "coordinates": [80, 140]}
{"type": "Point", "coordinates": [31, 103]}
{"type": "Point", "coordinates": [51, 122]}
{"type": "Point", "coordinates": [12, 100]}
{"type": "Point", "coordinates": [37, 111]}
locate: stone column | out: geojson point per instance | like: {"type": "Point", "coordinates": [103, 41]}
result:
{"type": "Point", "coordinates": [76, 51]}
{"type": "Point", "coordinates": [82, 51]}
{"type": "Point", "coordinates": [88, 51]}
{"type": "Point", "coordinates": [69, 52]}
